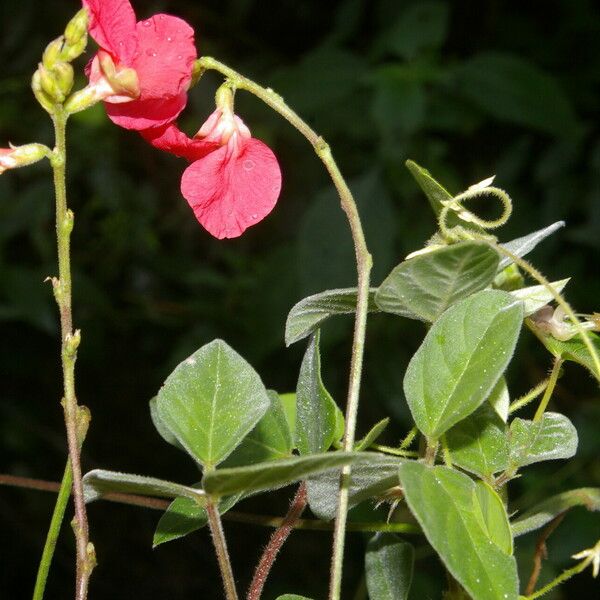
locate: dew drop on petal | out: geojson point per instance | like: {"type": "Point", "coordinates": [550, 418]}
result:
{"type": "Point", "coordinates": [150, 52]}
{"type": "Point", "coordinates": [169, 39]}
{"type": "Point", "coordinates": [147, 23]}
{"type": "Point", "coordinates": [179, 57]}
{"type": "Point", "coordinates": [254, 216]}
{"type": "Point", "coordinates": [248, 165]}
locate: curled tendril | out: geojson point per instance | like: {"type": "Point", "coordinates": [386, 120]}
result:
{"type": "Point", "coordinates": [456, 206]}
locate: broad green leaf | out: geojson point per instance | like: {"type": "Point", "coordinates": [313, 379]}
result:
{"type": "Point", "coordinates": [437, 195]}
{"type": "Point", "coordinates": [288, 403]}
{"type": "Point", "coordinates": [98, 483]}
{"type": "Point", "coordinates": [308, 315]}
{"type": "Point", "coordinates": [427, 284]}
{"type": "Point", "coordinates": [276, 473]}
{"type": "Point", "coordinates": [292, 597]}
{"type": "Point", "coordinates": [511, 89]}
{"type": "Point", "coordinates": [389, 566]}
{"type": "Point", "coordinates": [536, 296]}
{"type": "Point", "coordinates": [269, 440]}
{"type": "Point", "coordinates": [524, 245]}
{"type": "Point", "coordinates": [499, 399]}
{"type": "Point", "coordinates": [367, 480]}
{"type": "Point", "coordinates": [462, 357]}
{"type": "Point", "coordinates": [479, 443]}
{"type": "Point", "coordinates": [315, 409]}
{"type": "Point", "coordinates": [211, 401]}
{"type": "Point", "coordinates": [552, 437]}
{"type": "Point", "coordinates": [443, 502]}
{"type": "Point", "coordinates": [372, 436]}
{"type": "Point", "coordinates": [184, 516]}
{"type": "Point", "coordinates": [162, 429]}
{"type": "Point", "coordinates": [544, 512]}
{"type": "Point", "coordinates": [573, 350]}
{"type": "Point", "coordinates": [490, 511]}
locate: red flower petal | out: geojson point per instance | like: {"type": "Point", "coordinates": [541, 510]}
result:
{"type": "Point", "coordinates": [163, 62]}
{"type": "Point", "coordinates": [112, 25]}
{"type": "Point", "coordinates": [172, 139]}
{"type": "Point", "coordinates": [230, 191]}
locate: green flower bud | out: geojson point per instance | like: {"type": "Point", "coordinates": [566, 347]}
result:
{"type": "Point", "coordinates": [82, 99]}
{"type": "Point", "coordinates": [63, 74]}
{"type": "Point", "coordinates": [77, 28]}
{"type": "Point", "coordinates": [46, 101]}
{"type": "Point", "coordinates": [52, 53]}
{"type": "Point", "coordinates": [72, 51]}
{"type": "Point", "coordinates": [50, 84]}
{"type": "Point", "coordinates": [21, 156]}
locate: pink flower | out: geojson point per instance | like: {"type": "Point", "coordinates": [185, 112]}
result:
{"type": "Point", "coordinates": [142, 70]}
{"type": "Point", "coordinates": [234, 180]}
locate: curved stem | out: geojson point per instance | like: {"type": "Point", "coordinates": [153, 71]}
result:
{"type": "Point", "coordinates": [76, 418]}
{"type": "Point", "coordinates": [53, 532]}
{"type": "Point", "coordinates": [280, 535]}
{"type": "Point", "coordinates": [218, 537]}
{"type": "Point", "coordinates": [363, 263]}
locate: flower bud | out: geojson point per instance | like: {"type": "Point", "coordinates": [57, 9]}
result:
{"type": "Point", "coordinates": [82, 99]}
{"type": "Point", "coordinates": [21, 156]}
{"type": "Point", "coordinates": [40, 95]}
{"type": "Point", "coordinates": [52, 53]}
{"type": "Point", "coordinates": [76, 28]}
{"type": "Point", "coordinates": [72, 51]}
{"type": "Point", "coordinates": [224, 98]}
{"type": "Point", "coordinates": [63, 75]}
{"type": "Point", "coordinates": [50, 85]}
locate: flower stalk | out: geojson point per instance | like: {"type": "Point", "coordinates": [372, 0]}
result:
{"type": "Point", "coordinates": [364, 264]}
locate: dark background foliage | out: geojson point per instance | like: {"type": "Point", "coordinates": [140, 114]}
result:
{"type": "Point", "coordinates": [465, 88]}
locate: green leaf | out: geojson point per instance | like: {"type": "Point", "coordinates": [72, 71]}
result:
{"type": "Point", "coordinates": [524, 245]}
{"type": "Point", "coordinates": [427, 284]}
{"type": "Point", "coordinates": [543, 513]}
{"type": "Point", "coordinates": [437, 195]}
{"type": "Point", "coordinates": [307, 315]}
{"type": "Point", "coordinates": [367, 480]}
{"type": "Point", "coordinates": [274, 474]}
{"type": "Point", "coordinates": [184, 516]}
{"type": "Point", "coordinates": [316, 410]}
{"type": "Point", "coordinates": [511, 89]}
{"type": "Point", "coordinates": [536, 296]}
{"type": "Point", "coordinates": [552, 437]}
{"type": "Point", "coordinates": [269, 440]}
{"type": "Point", "coordinates": [288, 403]}
{"type": "Point", "coordinates": [292, 597]}
{"type": "Point", "coordinates": [162, 429]}
{"type": "Point", "coordinates": [479, 443]}
{"type": "Point", "coordinates": [499, 399]}
{"type": "Point", "coordinates": [421, 26]}
{"type": "Point", "coordinates": [462, 357]}
{"type": "Point", "coordinates": [447, 506]}
{"type": "Point", "coordinates": [211, 401]}
{"type": "Point", "coordinates": [98, 483]}
{"type": "Point", "coordinates": [573, 350]}
{"type": "Point", "coordinates": [389, 566]}
{"type": "Point", "coordinates": [372, 436]}
{"type": "Point", "coordinates": [491, 513]}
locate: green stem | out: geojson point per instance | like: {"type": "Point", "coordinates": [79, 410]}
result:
{"type": "Point", "coordinates": [564, 576]}
{"type": "Point", "coordinates": [363, 263]}
{"type": "Point", "coordinates": [539, 413]}
{"type": "Point", "coordinates": [76, 418]}
{"type": "Point", "coordinates": [530, 396]}
{"type": "Point", "coordinates": [218, 537]}
{"type": "Point", "coordinates": [395, 451]}
{"type": "Point", "coordinates": [53, 532]}
{"type": "Point", "coordinates": [408, 440]}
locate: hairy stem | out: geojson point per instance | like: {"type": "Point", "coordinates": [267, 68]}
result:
{"type": "Point", "coordinates": [218, 537]}
{"type": "Point", "coordinates": [232, 516]}
{"type": "Point", "coordinates": [76, 418]}
{"type": "Point", "coordinates": [554, 374]}
{"type": "Point", "coordinates": [363, 263]}
{"type": "Point", "coordinates": [53, 532]}
{"type": "Point", "coordinates": [280, 535]}
{"type": "Point", "coordinates": [541, 552]}
{"type": "Point", "coordinates": [530, 396]}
